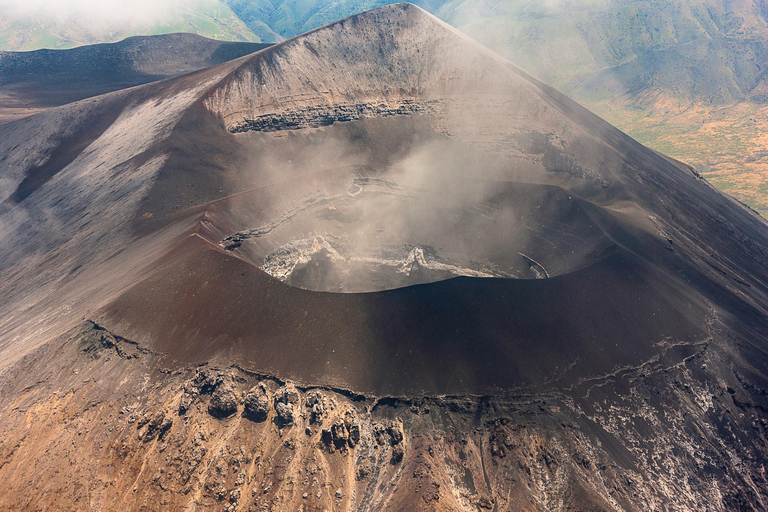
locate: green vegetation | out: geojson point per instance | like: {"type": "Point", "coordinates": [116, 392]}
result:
{"type": "Point", "coordinates": [211, 19]}
{"type": "Point", "coordinates": [728, 144]}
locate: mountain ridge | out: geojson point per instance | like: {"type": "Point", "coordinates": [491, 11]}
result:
{"type": "Point", "coordinates": [33, 81]}
{"type": "Point", "coordinates": [680, 77]}
{"type": "Point", "coordinates": [568, 318]}
{"type": "Point", "coordinates": [613, 184]}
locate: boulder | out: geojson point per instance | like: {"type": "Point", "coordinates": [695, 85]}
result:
{"type": "Point", "coordinates": [285, 399]}
{"type": "Point", "coordinates": [284, 413]}
{"type": "Point", "coordinates": [314, 402]}
{"type": "Point", "coordinates": [398, 452]}
{"type": "Point", "coordinates": [288, 394]}
{"type": "Point", "coordinates": [223, 402]}
{"type": "Point", "coordinates": [353, 429]}
{"type": "Point", "coordinates": [339, 434]}
{"type": "Point", "coordinates": [256, 404]}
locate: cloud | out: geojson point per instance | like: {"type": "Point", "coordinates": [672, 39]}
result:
{"type": "Point", "coordinates": [86, 12]}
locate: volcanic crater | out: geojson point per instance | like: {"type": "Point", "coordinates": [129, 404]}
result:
{"type": "Point", "coordinates": [460, 260]}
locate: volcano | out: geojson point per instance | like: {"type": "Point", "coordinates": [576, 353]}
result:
{"type": "Point", "coordinates": [419, 263]}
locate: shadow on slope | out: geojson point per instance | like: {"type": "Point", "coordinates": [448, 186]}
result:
{"type": "Point", "coordinates": [459, 335]}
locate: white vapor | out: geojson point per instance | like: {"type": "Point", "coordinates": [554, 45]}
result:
{"type": "Point", "coordinates": [101, 12]}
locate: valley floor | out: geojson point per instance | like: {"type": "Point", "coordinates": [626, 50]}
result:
{"type": "Point", "coordinates": [728, 145]}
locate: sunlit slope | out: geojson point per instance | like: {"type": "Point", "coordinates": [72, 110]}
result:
{"type": "Point", "coordinates": [356, 171]}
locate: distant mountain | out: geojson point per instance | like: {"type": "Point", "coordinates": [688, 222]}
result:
{"type": "Point", "coordinates": [375, 267]}
{"type": "Point", "coordinates": [685, 77]}
{"type": "Point", "coordinates": [707, 50]}
{"type": "Point", "coordinates": [30, 81]}
{"type": "Point", "coordinates": [35, 29]}
{"type": "Point", "coordinates": [690, 50]}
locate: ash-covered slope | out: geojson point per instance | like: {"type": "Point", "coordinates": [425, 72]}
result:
{"type": "Point", "coordinates": [384, 207]}
{"type": "Point", "coordinates": [382, 151]}
{"type": "Point", "coordinates": [45, 78]}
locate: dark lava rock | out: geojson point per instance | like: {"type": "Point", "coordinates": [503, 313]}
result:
{"type": "Point", "coordinates": [205, 381]}
{"type": "Point", "coordinates": [354, 435]}
{"type": "Point", "coordinates": [284, 413]}
{"type": "Point", "coordinates": [326, 437]}
{"type": "Point", "coordinates": [157, 425]}
{"type": "Point", "coordinates": [223, 402]}
{"type": "Point", "coordinates": [398, 452]}
{"type": "Point", "coordinates": [395, 431]}
{"type": "Point", "coordinates": [315, 117]}
{"type": "Point", "coordinates": [256, 404]}
{"type": "Point", "coordinates": [396, 436]}
{"type": "Point", "coordinates": [344, 432]}
{"type": "Point", "coordinates": [285, 398]}
{"type": "Point", "coordinates": [314, 402]}
{"type": "Point", "coordinates": [363, 470]}
{"type": "Point", "coordinates": [288, 394]}
{"type": "Point", "coordinates": [380, 434]}
{"type": "Point", "coordinates": [143, 420]}
{"type": "Point", "coordinates": [187, 399]}
{"type": "Point", "coordinates": [339, 434]}
{"type": "Point", "coordinates": [165, 426]}
{"type": "Point", "coordinates": [353, 429]}
{"type": "Point", "coordinates": [317, 414]}
{"type": "Point", "coordinates": [313, 397]}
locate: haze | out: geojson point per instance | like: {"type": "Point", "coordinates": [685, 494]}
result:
{"type": "Point", "coordinates": [376, 266]}
{"type": "Point", "coordinates": [98, 12]}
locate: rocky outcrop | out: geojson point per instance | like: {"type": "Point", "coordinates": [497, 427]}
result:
{"type": "Point", "coordinates": [256, 406]}
{"type": "Point", "coordinates": [452, 453]}
{"type": "Point", "coordinates": [223, 402]}
{"type": "Point", "coordinates": [316, 403]}
{"type": "Point", "coordinates": [611, 386]}
{"type": "Point", "coordinates": [317, 116]}
{"type": "Point", "coordinates": [339, 434]}
{"type": "Point", "coordinates": [286, 400]}
{"type": "Point", "coordinates": [343, 434]}
{"type": "Point", "coordinates": [391, 434]}
{"type": "Point", "coordinates": [352, 428]}
{"type": "Point", "coordinates": [157, 425]}
{"type": "Point", "coordinates": [97, 341]}
{"type": "Point", "coordinates": [284, 414]}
